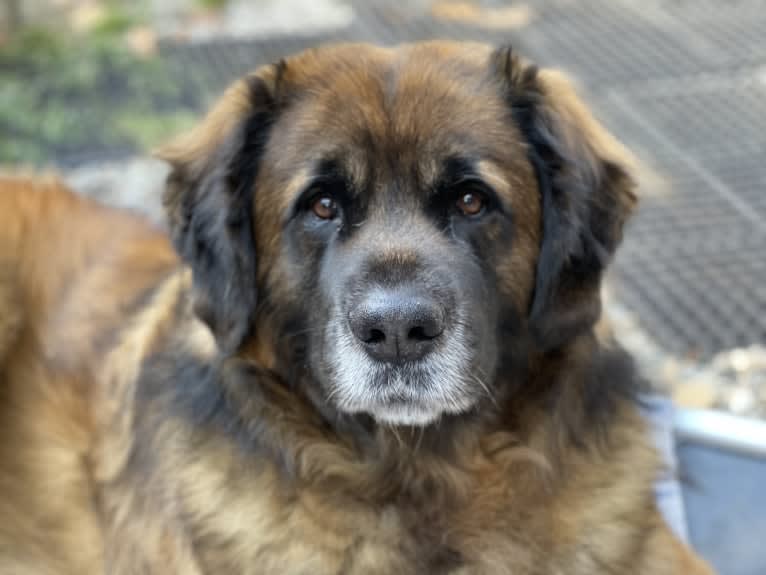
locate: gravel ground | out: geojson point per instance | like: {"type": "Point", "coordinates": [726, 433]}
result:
{"type": "Point", "coordinates": [135, 184]}
{"type": "Point", "coordinates": [734, 380]}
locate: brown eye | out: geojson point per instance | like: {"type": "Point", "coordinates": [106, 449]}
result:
{"type": "Point", "coordinates": [324, 207]}
{"type": "Point", "coordinates": [471, 203]}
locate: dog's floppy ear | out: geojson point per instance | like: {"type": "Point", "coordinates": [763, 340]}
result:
{"type": "Point", "coordinates": [208, 201]}
{"type": "Point", "coordinates": [586, 196]}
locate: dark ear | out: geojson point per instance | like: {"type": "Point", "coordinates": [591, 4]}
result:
{"type": "Point", "coordinates": [209, 203]}
{"type": "Point", "coordinates": [586, 197]}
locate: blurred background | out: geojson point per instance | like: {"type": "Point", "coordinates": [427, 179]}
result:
{"type": "Point", "coordinates": [88, 87]}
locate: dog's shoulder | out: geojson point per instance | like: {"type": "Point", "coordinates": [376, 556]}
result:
{"type": "Point", "coordinates": [77, 269]}
{"type": "Point", "coordinates": [75, 279]}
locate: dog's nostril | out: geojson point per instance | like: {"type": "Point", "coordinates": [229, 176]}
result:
{"type": "Point", "coordinates": [375, 336]}
{"type": "Point", "coordinates": [418, 333]}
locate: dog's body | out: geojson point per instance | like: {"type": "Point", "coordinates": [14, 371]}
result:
{"type": "Point", "coordinates": [159, 418]}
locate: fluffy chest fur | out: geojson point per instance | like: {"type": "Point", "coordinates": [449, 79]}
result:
{"type": "Point", "coordinates": [237, 474]}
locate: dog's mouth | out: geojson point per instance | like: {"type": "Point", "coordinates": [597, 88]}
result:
{"type": "Point", "coordinates": [414, 393]}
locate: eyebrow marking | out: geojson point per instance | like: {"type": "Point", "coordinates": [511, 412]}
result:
{"type": "Point", "coordinates": [494, 176]}
{"type": "Point", "coordinates": [292, 192]}
{"type": "Point", "coordinates": [457, 170]}
{"type": "Point", "coordinates": [452, 171]}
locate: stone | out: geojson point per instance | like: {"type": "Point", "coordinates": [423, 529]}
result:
{"type": "Point", "coordinates": [695, 394]}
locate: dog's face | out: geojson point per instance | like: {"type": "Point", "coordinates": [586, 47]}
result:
{"type": "Point", "coordinates": [415, 213]}
{"type": "Point", "coordinates": [408, 196]}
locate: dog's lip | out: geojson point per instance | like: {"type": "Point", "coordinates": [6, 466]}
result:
{"type": "Point", "coordinates": [406, 411]}
{"type": "Point", "coordinates": [402, 402]}
{"type": "Point", "coordinates": [392, 401]}
{"type": "Point", "coordinates": [389, 401]}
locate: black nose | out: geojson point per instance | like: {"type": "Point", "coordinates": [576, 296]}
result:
{"type": "Point", "coordinates": [397, 325]}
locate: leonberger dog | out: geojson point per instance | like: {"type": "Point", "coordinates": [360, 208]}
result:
{"type": "Point", "coordinates": [369, 345]}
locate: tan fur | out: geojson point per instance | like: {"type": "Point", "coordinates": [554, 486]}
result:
{"type": "Point", "coordinates": [99, 474]}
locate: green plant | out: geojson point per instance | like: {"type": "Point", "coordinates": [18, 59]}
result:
{"type": "Point", "coordinates": [212, 4]}
{"type": "Point", "coordinates": [63, 96]}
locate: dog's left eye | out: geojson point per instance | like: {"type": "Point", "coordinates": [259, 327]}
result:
{"type": "Point", "coordinates": [471, 200]}
{"type": "Point", "coordinates": [471, 203]}
{"type": "Point", "coordinates": [324, 207]}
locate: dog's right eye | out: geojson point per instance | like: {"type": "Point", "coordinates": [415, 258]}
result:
{"type": "Point", "coordinates": [324, 207]}
{"type": "Point", "coordinates": [471, 203]}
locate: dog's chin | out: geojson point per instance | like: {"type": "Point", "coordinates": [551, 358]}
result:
{"type": "Point", "coordinates": [409, 415]}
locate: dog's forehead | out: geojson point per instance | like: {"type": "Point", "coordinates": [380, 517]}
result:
{"type": "Point", "coordinates": [409, 108]}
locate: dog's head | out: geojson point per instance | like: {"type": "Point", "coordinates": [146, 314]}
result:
{"type": "Point", "coordinates": [398, 220]}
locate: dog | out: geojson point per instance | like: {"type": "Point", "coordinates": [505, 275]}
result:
{"type": "Point", "coordinates": [367, 345]}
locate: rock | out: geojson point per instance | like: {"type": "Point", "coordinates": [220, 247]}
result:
{"type": "Point", "coordinates": [742, 401]}
{"type": "Point", "coordinates": [135, 184]}
{"type": "Point", "coordinates": [696, 394]}
{"type": "Point", "coordinates": [141, 41]}
{"type": "Point", "coordinates": [509, 17]}
{"type": "Point", "coordinates": [87, 15]}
